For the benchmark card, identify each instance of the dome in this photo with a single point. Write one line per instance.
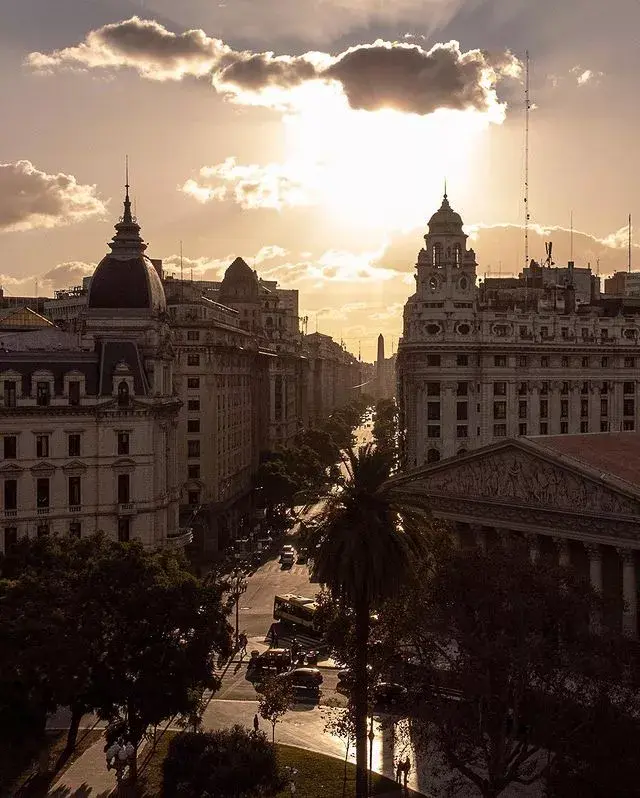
(445, 221)
(126, 278)
(240, 283)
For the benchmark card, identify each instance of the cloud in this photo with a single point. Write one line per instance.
(249, 185)
(584, 76)
(63, 275)
(398, 75)
(31, 199)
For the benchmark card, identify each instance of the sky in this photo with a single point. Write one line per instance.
(313, 138)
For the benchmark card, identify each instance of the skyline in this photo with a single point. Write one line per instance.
(261, 152)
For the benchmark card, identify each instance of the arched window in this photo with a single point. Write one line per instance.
(433, 455)
(437, 254)
(123, 394)
(458, 254)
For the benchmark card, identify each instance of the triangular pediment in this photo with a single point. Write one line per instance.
(43, 469)
(10, 470)
(517, 473)
(75, 465)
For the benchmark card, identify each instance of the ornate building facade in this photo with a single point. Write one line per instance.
(480, 363)
(88, 425)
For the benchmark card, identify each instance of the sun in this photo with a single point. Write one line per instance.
(380, 170)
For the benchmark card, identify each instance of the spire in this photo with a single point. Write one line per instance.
(127, 243)
(445, 188)
(127, 217)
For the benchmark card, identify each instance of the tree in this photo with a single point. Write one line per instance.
(276, 699)
(230, 763)
(512, 640)
(368, 547)
(341, 724)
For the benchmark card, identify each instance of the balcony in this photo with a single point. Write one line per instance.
(10, 513)
(180, 538)
(75, 508)
(43, 511)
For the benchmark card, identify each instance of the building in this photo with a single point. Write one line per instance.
(623, 284)
(68, 308)
(385, 373)
(476, 364)
(335, 376)
(36, 303)
(89, 425)
(572, 499)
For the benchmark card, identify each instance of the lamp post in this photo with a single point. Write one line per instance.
(372, 737)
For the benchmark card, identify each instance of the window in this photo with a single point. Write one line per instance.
(193, 360)
(522, 389)
(10, 446)
(433, 411)
(433, 389)
(124, 530)
(463, 388)
(544, 428)
(433, 455)
(564, 332)
(604, 388)
(499, 409)
(604, 333)
(43, 394)
(74, 445)
(499, 430)
(544, 361)
(604, 407)
(461, 431)
(523, 361)
(10, 538)
(564, 408)
(74, 392)
(564, 427)
(75, 497)
(544, 332)
(193, 471)
(584, 426)
(42, 492)
(462, 360)
(604, 362)
(522, 409)
(433, 360)
(42, 530)
(499, 388)
(433, 431)
(564, 362)
(193, 383)
(584, 407)
(462, 411)
(585, 362)
(629, 387)
(584, 388)
(123, 394)
(9, 393)
(193, 335)
(123, 443)
(124, 492)
(193, 405)
(75, 529)
(629, 362)
(604, 425)
(193, 425)
(193, 448)
(628, 425)
(585, 332)
(42, 446)
(544, 408)
(629, 407)
(193, 497)
(564, 390)
(544, 388)
(500, 361)
(11, 494)
(522, 429)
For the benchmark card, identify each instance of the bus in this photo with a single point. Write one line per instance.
(297, 611)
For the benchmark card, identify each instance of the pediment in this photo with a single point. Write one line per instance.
(43, 469)
(513, 474)
(10, 470)
(124, 462)
(74, 465)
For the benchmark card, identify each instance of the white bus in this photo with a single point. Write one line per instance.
(297, 611)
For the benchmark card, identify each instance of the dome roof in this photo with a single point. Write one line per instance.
(445, 221)
(126, 278)
(240, 283)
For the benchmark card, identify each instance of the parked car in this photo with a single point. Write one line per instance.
(287, 560)
(388, 695)
(269, 663)
(305, 677)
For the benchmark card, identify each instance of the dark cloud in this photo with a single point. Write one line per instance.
(380, 75)
(30, 198)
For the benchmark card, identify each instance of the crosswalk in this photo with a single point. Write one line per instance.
(305, 642)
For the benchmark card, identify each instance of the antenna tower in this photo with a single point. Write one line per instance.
(571, 238)
(527, 108)
(629, 243)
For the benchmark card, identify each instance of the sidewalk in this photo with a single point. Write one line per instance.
(87, 777)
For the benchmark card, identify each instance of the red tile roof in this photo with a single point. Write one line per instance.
(614, 453)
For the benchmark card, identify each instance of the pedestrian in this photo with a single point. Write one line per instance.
(295, 648)
(243, 640)
(256, 724)
(406, 767)
(398, 771)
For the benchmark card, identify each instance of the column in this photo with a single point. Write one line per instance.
(480, 536)
(534, 408)
(595, 574)
(534, 547)
(630, 611)
(504, 536)
(564, 558)
(574, 408)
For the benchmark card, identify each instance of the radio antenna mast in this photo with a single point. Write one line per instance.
(571, 238)
(629, 243)
(527, 107)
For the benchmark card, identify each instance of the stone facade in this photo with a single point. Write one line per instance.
(335, 376)
(476, 364)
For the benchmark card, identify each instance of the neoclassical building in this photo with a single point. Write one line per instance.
(539, 354)
(573, 499)
(88, 426)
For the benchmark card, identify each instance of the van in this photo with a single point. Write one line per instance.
(287, 559)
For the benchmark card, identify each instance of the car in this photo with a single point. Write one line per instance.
(287, 560)
(389, 695)
(287, 549)
(305, 677)
(270, 663)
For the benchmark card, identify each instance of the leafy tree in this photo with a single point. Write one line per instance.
(321, 443)
(230, 763)
(385, 424)
(277, 483)
(368, 546)
(276, 699)
(513, 639)
(341, 724)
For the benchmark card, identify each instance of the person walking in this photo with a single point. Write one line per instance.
(256, 724)
(243, 640)
(398, 771)
(406, 768)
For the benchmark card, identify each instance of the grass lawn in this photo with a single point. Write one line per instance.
(21, 769)
(318, 776)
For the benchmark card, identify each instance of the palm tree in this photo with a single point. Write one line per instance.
(368, 546)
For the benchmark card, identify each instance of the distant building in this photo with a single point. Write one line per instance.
(335, 376)
(623, 284)
(384, 386)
